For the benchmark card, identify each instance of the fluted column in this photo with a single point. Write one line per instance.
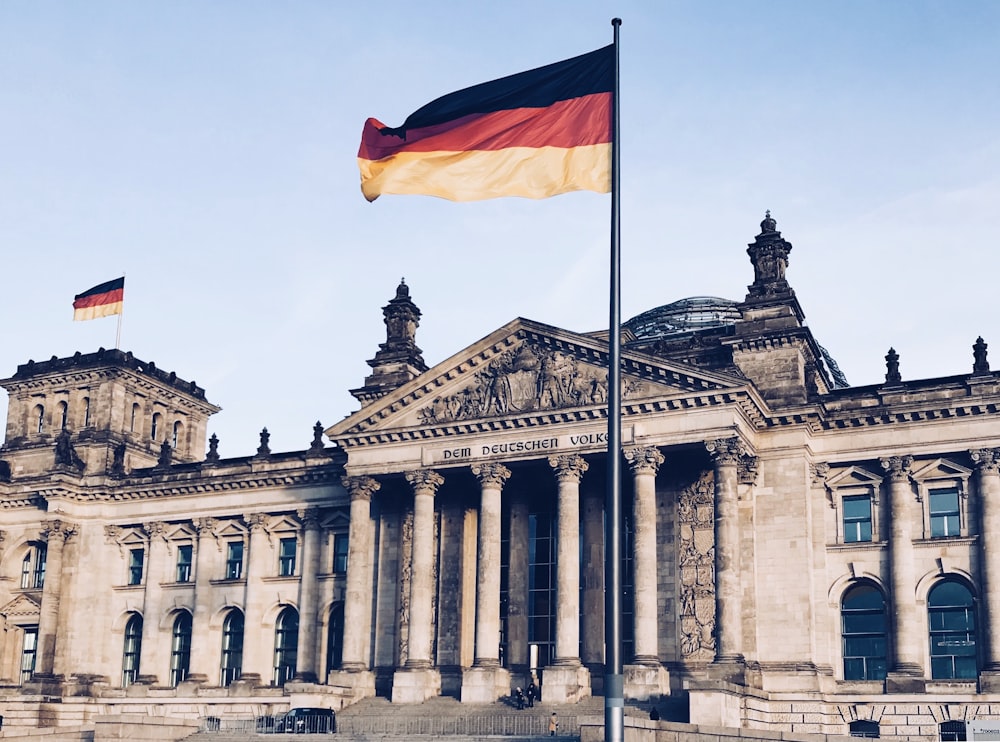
(358, 602)
(201, 653)
(56, 533)
(987, 461)
(308, 656)
(725, 455)
(425, 485)
(257, 645)
(910, 642)
(491, 481)
(155, 654)
(645, 462)
(569, 470)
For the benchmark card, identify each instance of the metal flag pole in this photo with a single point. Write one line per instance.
(614, 696)
(118, 332)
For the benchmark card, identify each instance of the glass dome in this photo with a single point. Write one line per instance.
(695, 313)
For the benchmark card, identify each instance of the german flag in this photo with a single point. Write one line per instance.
(534, 134)
(103, 300)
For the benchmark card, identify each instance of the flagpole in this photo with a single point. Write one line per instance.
(614, 696)
(118, 332)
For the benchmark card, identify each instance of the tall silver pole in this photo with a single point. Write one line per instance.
(614, 696)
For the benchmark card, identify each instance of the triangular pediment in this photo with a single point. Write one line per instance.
(526, 373)
(854, 476)
(21, 609)
(940, 469)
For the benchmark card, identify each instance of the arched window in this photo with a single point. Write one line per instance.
(180, 649)
(863, 633)
(335, 638)
(33, 567)
(864, 728)
(232, 647)
(86, 412)
(286, 638)
(132, 650)
(178, 430)
(63, 415)
(156, 425)
(39, 418)
(951, 615)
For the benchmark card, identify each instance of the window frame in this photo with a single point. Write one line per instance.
(287, 562)
(286, 640)
(132, 650)
(136, 570)
(971, 629)
(855, 481)
(937, 475)
(234, 565)
(33, 566)
(341, 551)
(180, 648)
(871, 670)
(231, 665)
(184, 567)
(27, 668)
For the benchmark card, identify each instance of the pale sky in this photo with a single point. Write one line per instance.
(208, 150)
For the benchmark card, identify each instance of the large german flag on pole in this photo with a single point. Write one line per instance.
(103, 300)
(534, 134)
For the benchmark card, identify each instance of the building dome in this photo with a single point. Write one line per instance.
(686, 315)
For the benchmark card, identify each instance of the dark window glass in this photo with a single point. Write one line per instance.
(286, 638)
(132, 651)
(340, 545)
(286, 557)
(863, 633)
(180, 649)
(951, 615)
(864, 728)
(234, 560)
(944, 513)
(29, 650)
(232, 647)
(952, 731)
(184, 552)
(135, 560)
(857, 519)
(335, 638)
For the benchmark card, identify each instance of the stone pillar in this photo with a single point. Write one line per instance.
(201, 652)
(517, 659)
(905, 671)
(566, 680)
(593, 585)
(418, 679)
(987, 461)
(644, 676)
(307, 648)
(355, 671)
(56, 533)
(256, 647)
(486, 681)
(155, 659)
(725, 455)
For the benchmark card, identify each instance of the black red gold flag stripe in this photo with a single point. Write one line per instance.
(103, 300)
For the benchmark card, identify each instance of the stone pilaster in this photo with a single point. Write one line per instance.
(307, 652)
(905, 672)
(355, 671)
(155, 653)
(644, 676)
(201, 652)
(517, 592)
(486, 681)
(593, 584)
(987, 461)
(256, 655)
(56, 533)
(418, 679)
(566, 680)
(726, 454)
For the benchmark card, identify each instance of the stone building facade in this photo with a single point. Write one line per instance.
(800, 555)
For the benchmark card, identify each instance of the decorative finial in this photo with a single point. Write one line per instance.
(166, 454)
(892, 367)
(317, 442)
(769, 224)
(212, 456)
(263, 449)
(980, 365)
(402, 291)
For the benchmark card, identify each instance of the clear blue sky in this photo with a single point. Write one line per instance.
(207, 149)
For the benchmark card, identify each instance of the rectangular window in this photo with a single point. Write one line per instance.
(184, 563)
(286, 557)
(857, 519)
(234, 560)
(340, 544)
(135, 561)
(944, 513)
(28, 652)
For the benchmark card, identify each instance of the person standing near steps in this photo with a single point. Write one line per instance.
(553, 724)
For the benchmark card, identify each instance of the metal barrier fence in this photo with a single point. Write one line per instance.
(527, 725)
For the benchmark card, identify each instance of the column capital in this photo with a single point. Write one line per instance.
(644, 459)
(155, 529)
(309, 517)
(361, 488)
(424, 481)
(56, 529)
(897, 468)
(987, 460)
(204, 526)
(748, 467)
(569, 468)
(819, 472)
(256, 521)
(725, 451)
(491, 475)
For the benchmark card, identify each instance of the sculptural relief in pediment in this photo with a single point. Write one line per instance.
(528, 379)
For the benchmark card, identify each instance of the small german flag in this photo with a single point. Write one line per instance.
(103, 300)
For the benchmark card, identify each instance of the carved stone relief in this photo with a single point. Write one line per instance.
(696, 559)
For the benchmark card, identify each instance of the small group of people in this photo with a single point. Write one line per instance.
(522, 698)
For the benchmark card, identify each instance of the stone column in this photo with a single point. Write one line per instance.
(517, 659)
(644, 676)
(155, 659)
(201, 652)
(355, 671)
(987, 461)
(418, 680)
(486, 681)
(905, 671)
(306, 650)
(725, 455)
(56, 533)
(257, 646)
(566, 680)
(593, 585)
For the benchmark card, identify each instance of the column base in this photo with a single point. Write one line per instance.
(905, 682)
(415, 686)
(485, 684)
(728, 668)
(565, 683)
(989, 681)
(646, 682)
(360, 682)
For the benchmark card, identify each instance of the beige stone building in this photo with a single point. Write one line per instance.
(800, 555)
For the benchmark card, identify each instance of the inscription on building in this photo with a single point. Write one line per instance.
(513, 448)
